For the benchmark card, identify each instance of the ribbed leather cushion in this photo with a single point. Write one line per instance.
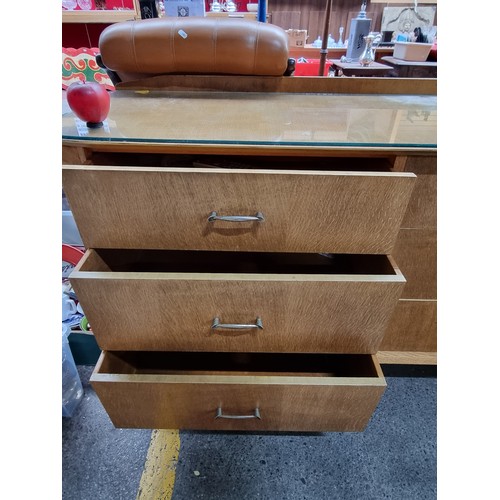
(195, 46)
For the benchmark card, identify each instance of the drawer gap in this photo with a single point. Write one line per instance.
(173, 261)
(238, 364)
(341, 163)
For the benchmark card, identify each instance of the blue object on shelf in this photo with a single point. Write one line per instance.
(261, 17)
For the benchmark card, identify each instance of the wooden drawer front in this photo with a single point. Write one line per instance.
(299, 312)
(422, 208)
(413, 327)
(149, 390)
(303, 211)
(416, 254)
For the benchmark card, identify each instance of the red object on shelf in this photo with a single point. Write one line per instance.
(311, 68)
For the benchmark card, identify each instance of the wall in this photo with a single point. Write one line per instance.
(310, 15)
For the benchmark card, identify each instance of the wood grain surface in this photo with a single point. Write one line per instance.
(359, 85)
(413, 327)
(304, 211)
(247, 150)
(421, 165)
(76, 155)
(407, 358)
(412, 333)
(422, 209)
(175, 311)
(285, 403)
(416, 254)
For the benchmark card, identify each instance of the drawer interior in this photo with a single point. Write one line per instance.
(238, 364)
(173, 261)
(341, 163)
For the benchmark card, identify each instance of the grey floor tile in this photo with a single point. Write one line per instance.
(100, 462)
(395, 458)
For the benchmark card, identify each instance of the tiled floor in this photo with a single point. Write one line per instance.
(394, 458)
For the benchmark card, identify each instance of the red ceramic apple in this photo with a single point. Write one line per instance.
(89, 101)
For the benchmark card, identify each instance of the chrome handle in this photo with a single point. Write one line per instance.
(236, 326)
(259, 217)
(256, 414)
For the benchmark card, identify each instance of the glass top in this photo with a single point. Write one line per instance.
(251, 118)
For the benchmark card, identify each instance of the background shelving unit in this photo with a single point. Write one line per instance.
(102, 16)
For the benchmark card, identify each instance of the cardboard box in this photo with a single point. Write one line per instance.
(296, 38)
(411, 51)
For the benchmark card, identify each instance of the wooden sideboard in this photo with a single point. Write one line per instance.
(243, 244)
(411, 69)
(414, 324)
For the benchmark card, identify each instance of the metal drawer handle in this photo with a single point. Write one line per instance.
(256, 414)
(259, 217)
(236, 326)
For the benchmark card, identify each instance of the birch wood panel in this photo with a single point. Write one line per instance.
(165, 311)
(421, 165)
(422, 208)
(407, 358)
(413, 327)
(286, 19)
(416, 254)
(338, 212)
(344, 11)
(315, 24)
(78, 155)
(285, 403)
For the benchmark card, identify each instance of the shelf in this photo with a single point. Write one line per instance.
(99, 16)
(237, 15)
(110, 16)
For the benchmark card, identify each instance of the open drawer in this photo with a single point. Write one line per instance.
(162, 300)
(228, 391)
(237, 209)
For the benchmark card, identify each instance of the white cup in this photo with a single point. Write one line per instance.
(68, 307)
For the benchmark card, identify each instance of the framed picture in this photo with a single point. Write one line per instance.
(184, 8)
(402, 21)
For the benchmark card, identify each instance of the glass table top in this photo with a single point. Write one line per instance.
(250, 118)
